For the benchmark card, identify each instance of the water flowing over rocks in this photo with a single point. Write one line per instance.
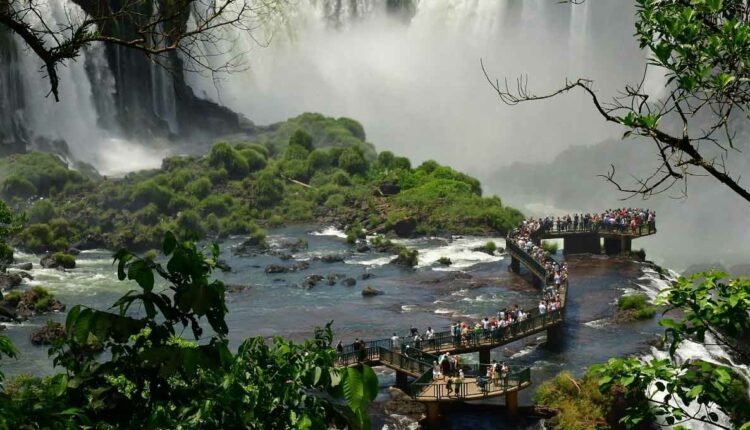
(278, 268)
(402, 411)
(10, 280)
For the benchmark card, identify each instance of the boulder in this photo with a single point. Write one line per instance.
(10, 280)
(366, 275)
(389, 188)
(48, 334)
(331, 258)
(73, 251)
(8, 312)
(235, 288)
(369, 292)
(311, 281)
(363, 247)
(405, 227)
(23, 266)
(332, 278)
(278, 268)
(404, 409)
(58, 261)
(26, 275)
(349, 282)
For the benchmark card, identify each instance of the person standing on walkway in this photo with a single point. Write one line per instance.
(395, 342)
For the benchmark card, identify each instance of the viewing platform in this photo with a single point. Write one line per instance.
(415, 358)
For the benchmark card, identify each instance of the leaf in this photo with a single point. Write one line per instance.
(360, 386)
(170, 242)
(140, 272)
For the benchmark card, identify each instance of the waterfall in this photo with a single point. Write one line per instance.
(417, 85)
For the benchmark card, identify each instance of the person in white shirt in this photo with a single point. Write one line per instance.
(542, 307)
(395, 342)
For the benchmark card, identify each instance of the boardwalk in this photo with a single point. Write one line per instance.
(415, 359)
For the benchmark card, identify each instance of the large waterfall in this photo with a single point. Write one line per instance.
(409, 70)
(417, 84)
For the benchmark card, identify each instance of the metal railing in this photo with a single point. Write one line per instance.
(594, 227)
(473, 388)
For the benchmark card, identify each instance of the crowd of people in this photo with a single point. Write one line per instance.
(621, 219)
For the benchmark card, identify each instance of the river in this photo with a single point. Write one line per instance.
(476, 285)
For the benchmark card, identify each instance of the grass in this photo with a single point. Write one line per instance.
(637, 305)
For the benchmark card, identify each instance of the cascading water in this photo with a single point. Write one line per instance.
(418, 84)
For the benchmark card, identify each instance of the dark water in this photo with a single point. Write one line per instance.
(477, 285)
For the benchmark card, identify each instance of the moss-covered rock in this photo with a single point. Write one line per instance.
(58, 260)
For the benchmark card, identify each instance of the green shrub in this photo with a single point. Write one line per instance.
(12, 297)
(223, 155)
(212, 224)
(6, 254)
(149, 214)
(64, 259)
(303, 139)
(218, 176)
(549, 246)
(296, 169)
(42, 304)
(579, 403)
(150, 192)
(636, 305)
(255, 160)
(180, 202)
(352, 161)
(444, 261)
(319, 159)
(36, 237)
(335, 201)
(16, 186)
(275, 221)
(189, 224)
(199, 188)
(268, 190)
(354, 127)
(218, 204)
(42, 211)
(406, 257)
(60, 244)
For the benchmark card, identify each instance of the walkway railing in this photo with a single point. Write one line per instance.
(532, 264)
(595, 227)
(473, 388)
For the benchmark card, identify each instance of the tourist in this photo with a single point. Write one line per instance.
(542, 307)
(449, 386)
(435, 371)
(413, 331)
(340, 347)
(395, 342)
(430, 336)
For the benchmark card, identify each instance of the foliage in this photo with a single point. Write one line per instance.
(64, 259)
(406, 257)
(637, 305)
(214, 195)
(714, 310)
(444, 261)
(579, 403)
(10, 224)
(150, 377)
(549, 246)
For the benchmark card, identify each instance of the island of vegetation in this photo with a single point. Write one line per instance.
(308, 169)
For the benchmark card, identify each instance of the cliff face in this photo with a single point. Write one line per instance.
(130, 95)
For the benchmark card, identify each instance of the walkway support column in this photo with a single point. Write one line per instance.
(402, 380)
(511, 403)
(515, 264)
(433, 415)
(484, 360)
(555, 337)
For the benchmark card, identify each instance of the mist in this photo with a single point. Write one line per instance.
(418, 87)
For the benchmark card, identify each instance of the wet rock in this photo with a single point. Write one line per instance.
(293, 246)
(10, 280)
(349, 282)
(369, 292)
(332, 278)
(60, 262)
(73, 251)
(278, 268)
(311, 281)
(363, 247)
(48, 334)
(405, 227)
(23, 266)
(331, 258)
(403, 410)
(8, 312)
(26, 275)
(285, 257)
(367, 275)
(235, 288)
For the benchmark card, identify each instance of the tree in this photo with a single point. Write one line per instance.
(157, 29)
(149, 376)
(703, 49)
(713, 311)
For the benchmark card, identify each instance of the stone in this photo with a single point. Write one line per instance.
(48, 334)
(370, 292)
(403, 405)
(363, 247)
(405, 227)
(235, 288)
(296, 267)
(332, 278)
(331, 258)
(26, 275)
(367, 275)
(311, 281)
(49, 262)
(10, 280)
(349, 282)
(23, 266)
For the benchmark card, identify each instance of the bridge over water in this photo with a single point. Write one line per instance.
(414, 359)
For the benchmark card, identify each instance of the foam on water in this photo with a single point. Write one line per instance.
(600, 323)
(329, 231)
(461, 253)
